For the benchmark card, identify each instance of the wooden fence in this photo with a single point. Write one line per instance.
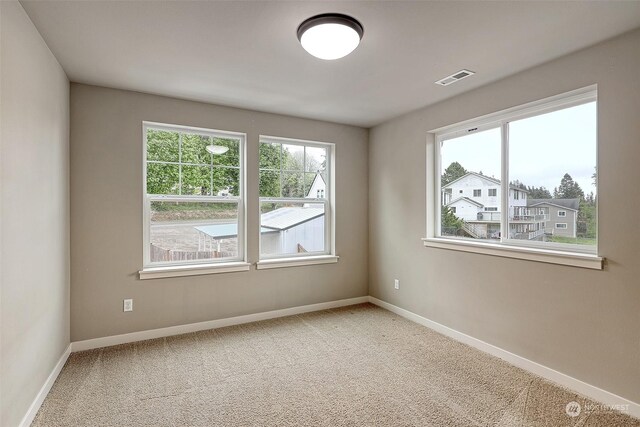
(159, 254)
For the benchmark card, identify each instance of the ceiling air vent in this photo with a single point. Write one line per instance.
(454, 77)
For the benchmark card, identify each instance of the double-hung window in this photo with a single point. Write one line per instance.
(296, 198)
(539, 155)
(193, 196)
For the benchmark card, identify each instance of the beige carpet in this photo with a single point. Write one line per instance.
(355, 366)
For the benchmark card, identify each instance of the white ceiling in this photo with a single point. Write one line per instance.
(246, 54)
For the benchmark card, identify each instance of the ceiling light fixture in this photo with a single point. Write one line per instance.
(330, 35)
(217, 149)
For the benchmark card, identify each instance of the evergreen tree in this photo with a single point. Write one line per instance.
(568, 189)
(539, 193)
(453, 172)
(449, 219)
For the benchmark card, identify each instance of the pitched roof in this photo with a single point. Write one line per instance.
(276, 220)
(466, 199)
(223, 231)
(573, 204)
(284, 218)
(488, 178)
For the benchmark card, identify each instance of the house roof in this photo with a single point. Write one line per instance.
(284, 218)
(223, 231)
(318, 176)
(573, 204)
(276, 220)
(488, 178)
(466, 199)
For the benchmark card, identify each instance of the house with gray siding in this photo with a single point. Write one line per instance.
(561, 214)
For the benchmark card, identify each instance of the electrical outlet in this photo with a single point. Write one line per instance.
(128, 305)
(396, 284)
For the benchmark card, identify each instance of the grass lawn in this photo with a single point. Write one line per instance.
(578, 241)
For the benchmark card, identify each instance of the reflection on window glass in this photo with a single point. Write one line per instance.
(192, 164)
(470, 186)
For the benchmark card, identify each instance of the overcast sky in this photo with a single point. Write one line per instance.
(541, 149)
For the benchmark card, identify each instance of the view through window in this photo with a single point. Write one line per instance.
(552, 176)
(294, 198)
(193, 195)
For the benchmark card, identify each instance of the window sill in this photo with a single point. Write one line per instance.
(574, 259)
(296, 261)
(192, 270)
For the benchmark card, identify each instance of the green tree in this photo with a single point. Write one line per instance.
(453, 172)
(199, 171)
(449, 219)
(568, 189)
(539, 193)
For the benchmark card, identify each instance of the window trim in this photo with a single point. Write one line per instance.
(193, 267)
(564, 214)
(557, 253)
(287, 260)
(566, 226)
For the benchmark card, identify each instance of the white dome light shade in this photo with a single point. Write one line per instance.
(330, 36)
(217, 149)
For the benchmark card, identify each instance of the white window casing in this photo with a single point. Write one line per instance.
(324, 197)
(151, 269)
(551, 252)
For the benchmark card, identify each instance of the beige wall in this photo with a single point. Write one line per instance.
(581, 322)
(106, 218)
(34, 199)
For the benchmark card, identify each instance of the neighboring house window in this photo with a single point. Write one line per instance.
(193, 195)
(561, 225)
(453, 209)
(491, 209)
(509, 147)
(295, 198)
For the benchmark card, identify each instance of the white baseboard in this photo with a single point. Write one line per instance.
(211, 324)
(37, 402)
(564, 380)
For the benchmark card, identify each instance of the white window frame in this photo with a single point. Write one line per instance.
(317, 257)
(551, 252)
(558, 224)
(562, 214)
(492, 190)
(152, 270)
(479, 191)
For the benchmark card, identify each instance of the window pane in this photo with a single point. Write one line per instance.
(196, 180)
(292, 157)
(552, 168)
(315, 159)
(194, 149)
(470, 169)
(269, 184)
(291, 228)
(270, 155)
(292, 183)
(162, 145)
(185, 231)
(162, 179)
(231, 157)
(226, 181)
